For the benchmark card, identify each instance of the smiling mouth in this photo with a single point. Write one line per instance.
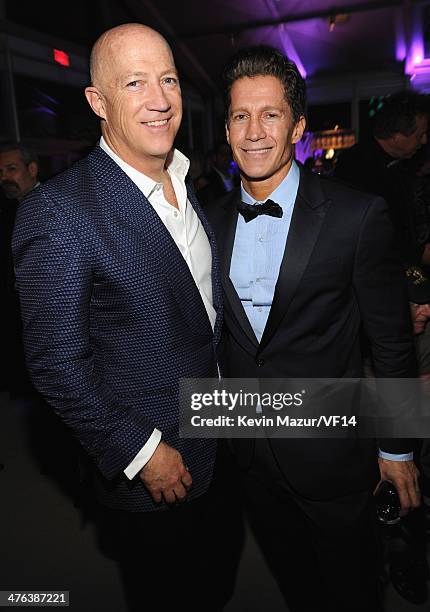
(159, 123)
(257, 151)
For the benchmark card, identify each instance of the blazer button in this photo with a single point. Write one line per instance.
(259, 362)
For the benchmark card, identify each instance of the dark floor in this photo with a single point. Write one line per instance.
(46, 545)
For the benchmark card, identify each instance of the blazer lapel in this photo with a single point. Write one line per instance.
(226, 235)
(133, 208)
(216, 280)
(309, 211)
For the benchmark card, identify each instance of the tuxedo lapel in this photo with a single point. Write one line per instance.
(131, 207)
(226, 234)
(216, 280)
(308, 215)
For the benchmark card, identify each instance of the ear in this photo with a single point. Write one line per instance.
(227, 132)
(298, 130)
(96, 100)
(33, 169)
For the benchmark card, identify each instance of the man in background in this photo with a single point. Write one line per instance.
(220, 179)
(18, 170)
(18, 176)
(399, 130)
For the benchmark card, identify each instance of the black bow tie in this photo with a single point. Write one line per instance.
(250, 211)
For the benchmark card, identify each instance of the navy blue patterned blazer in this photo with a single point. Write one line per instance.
(112, 320)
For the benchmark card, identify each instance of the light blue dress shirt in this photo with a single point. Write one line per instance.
(258, 250)
(257, 255)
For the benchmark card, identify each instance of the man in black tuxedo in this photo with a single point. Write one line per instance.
(301, 274)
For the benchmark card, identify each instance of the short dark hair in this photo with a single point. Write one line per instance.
(263, 60)
(398, 114)
(27, 155)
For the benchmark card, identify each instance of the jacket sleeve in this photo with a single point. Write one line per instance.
(54, 279)
(381, 291)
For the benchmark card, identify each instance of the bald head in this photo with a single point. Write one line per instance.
(109, 44)
(136, 93)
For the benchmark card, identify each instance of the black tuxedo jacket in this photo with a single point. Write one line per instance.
(339, 272)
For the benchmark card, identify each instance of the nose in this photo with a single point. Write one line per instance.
(255, 129)
(157, 99)
(424, 139)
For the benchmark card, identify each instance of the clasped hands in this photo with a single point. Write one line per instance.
(165, 475)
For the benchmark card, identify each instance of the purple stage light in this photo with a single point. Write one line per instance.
(415, 56)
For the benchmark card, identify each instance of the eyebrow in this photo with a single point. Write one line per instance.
(264, 109)
(141, 73)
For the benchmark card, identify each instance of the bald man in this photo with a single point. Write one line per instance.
(119, 284)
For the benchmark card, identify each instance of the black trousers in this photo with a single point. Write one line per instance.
(323, 555)
(183, 558)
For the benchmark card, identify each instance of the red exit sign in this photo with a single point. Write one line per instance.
(61, 57)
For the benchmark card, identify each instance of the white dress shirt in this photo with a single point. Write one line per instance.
(190, 237)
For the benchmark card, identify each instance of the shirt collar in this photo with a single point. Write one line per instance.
(178, 166)
(284, 194)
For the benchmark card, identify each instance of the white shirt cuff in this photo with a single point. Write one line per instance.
(391, 457)
(144, 455)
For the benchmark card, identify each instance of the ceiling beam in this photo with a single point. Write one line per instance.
(285, 39)
(233, 29)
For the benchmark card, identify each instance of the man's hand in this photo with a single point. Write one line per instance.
(165, 475)
(404, 476)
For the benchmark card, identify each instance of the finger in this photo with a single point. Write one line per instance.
(414, 494)
(377, 487)
(186, 478)
(169, 496)
(405, 501)
(410, 498)
(413, 488)
(156, 495)
(180, 492)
